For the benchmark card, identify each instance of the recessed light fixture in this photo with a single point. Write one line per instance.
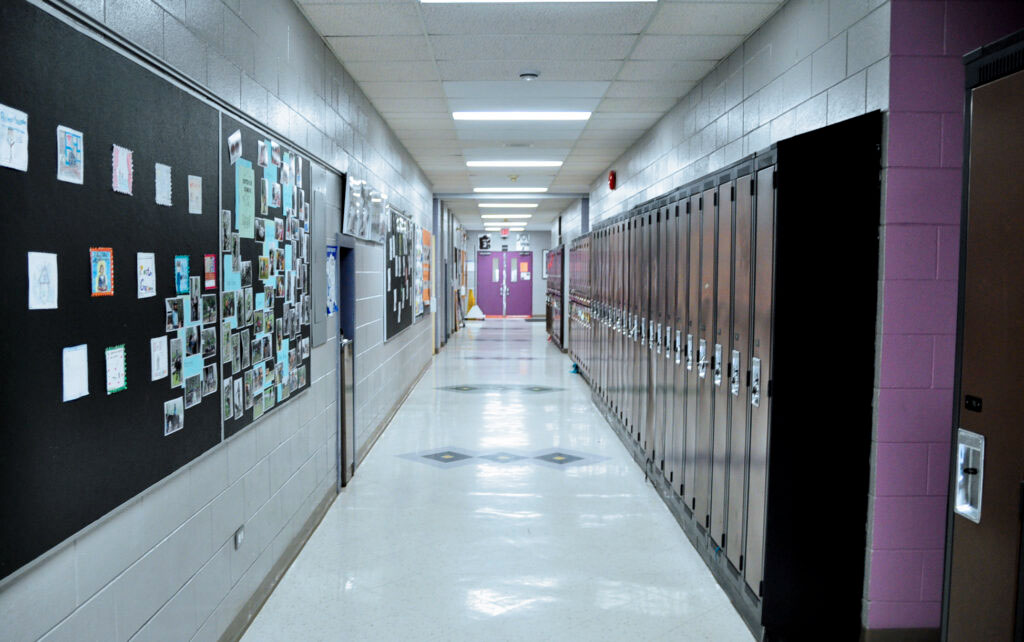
(509, 205)
(507, 1)
(510, 190)
(506, 215)
(521, 115)
(514, 163)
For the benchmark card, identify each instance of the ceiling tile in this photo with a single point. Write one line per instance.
(466, 70)
(667, 70)
(568, 18)
(370, 19)
(522, 47)
(725, 18)
(411, 89)
(392, 71)
(649, 89)
(636, 104)
(411, 105)
(682, 48)
(361, 48)
(520, 89)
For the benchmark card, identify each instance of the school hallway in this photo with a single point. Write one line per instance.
(498, 505)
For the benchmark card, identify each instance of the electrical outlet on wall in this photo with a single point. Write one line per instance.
(239, 537)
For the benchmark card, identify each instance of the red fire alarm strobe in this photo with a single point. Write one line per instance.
(611, 179)
(504, 231)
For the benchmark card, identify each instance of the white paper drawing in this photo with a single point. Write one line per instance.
(146, 273)
(117, 376)
(195, 194)
(122, 169)
(158, 357)
(13, 138)
(42, 281)
(70, 155)
(163, 184)
(76, 372)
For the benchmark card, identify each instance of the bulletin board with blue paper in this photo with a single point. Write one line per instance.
(265, 300)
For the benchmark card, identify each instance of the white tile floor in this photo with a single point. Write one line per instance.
(498, 551)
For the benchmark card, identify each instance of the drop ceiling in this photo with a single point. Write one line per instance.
(626, 62)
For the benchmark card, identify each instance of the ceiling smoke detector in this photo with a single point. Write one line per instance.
(529, 75)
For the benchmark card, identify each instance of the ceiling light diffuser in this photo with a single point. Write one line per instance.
(518, 1)
(510, 190)
(509, 205)
(506, 215)
(521, 115)
(513, 163)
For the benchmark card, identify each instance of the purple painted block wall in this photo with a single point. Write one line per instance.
(921, 230)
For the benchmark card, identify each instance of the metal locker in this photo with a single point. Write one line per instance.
(638, 327)
(739, 360)
(720, 361)
(680, 245)
(690, 355)
(705, 344)
(760, 375)
(644, 293)
(654, 414)
(668, 345)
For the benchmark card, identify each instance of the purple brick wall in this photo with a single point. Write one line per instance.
(921, 230)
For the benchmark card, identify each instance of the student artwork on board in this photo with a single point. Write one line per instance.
(181, 282)
(70, 155)
(42, 281)
(14, 141)
(101, 260)
(122, 170)
(146, 274)
(195, 194)
(235, 146)
(174, 415)
(162, 178)
(117, 368)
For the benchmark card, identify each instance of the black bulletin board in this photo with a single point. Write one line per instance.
(289, 313)
(65, 464)
(398, 274)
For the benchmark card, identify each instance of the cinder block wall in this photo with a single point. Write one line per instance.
(163, 566)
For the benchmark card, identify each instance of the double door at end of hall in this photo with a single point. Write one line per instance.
(504, 283)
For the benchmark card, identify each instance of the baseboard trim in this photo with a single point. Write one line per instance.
(899, 635)
(238, 626)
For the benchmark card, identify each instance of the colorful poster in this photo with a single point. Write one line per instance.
(123, 168)
(13, 138)
(101, 260)
(146, 272)
(174, 415)
(163, 184)
(70, 155)
(332, 279)
(210, 271)
(195, 194)
(158, 357)
(181, 270)
(245, 198)
(117, 368)
(76, 372)
(42, 281)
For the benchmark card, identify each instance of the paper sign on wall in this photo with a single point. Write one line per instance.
(122, 170)
(158, 357)
(245, 198)
(42, 281)
(332, 279)
(163, 184)
(13, 138)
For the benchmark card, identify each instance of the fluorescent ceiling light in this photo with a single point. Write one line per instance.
(525, 163)
(506, 215)
(508, 1)
(510, 190)
(521, 115)
(509, 205)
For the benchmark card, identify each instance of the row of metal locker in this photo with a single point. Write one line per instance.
(674, 314)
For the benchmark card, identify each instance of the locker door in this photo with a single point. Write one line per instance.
(985, 592)
(634, 346)
(705, 345)
(668, 355)
(680, 244)
(739, 363)
(760, 376)
(643, 404)
(719, 363)
(653, 347)
(692, 339)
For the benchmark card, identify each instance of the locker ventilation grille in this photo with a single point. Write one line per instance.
(1003, 66)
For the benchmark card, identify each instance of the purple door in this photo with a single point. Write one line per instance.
(489, 282)
(519, 281)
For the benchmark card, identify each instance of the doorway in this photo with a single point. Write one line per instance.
(505, 283)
